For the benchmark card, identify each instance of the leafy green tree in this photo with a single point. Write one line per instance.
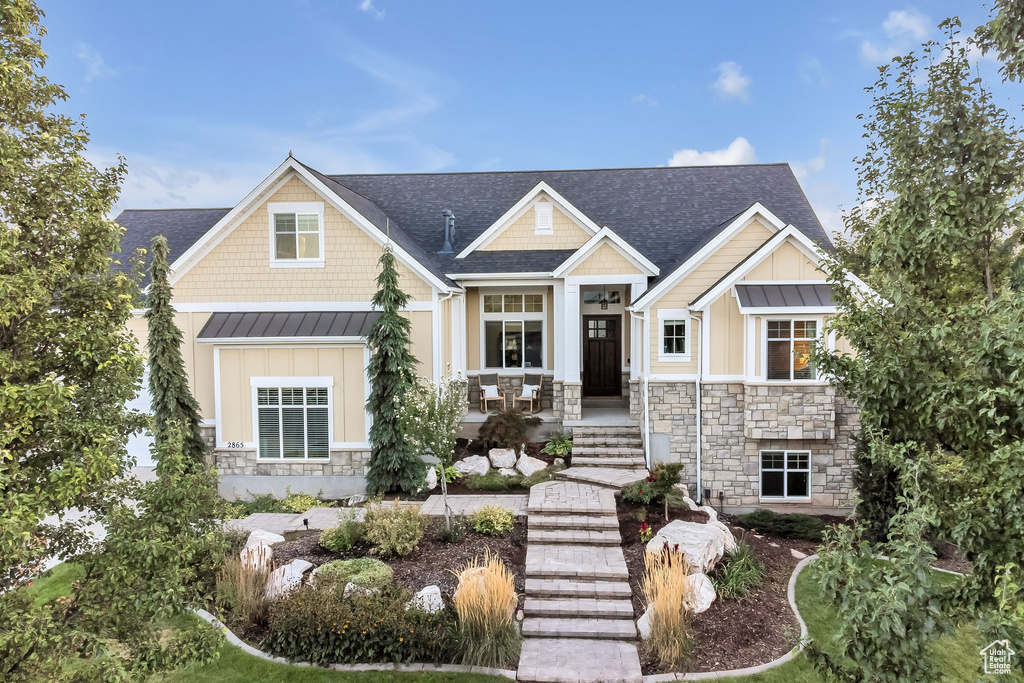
(940, 344)
(168, 382)
(1004, 34)
(67, 361)
(393, 464)
(431, 417)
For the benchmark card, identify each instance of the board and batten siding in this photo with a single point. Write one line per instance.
(198, 357)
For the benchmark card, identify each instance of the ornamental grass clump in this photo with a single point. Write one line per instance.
(741, 572)
(667, 591)
(485, 601)
(242, 590)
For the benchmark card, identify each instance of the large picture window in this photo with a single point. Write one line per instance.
(789, 343)
(293, 422)
(785, 474)
(513, 330)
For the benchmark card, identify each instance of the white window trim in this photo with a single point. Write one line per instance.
(548, 209)
(785, 470)
(664, 315)
(820, 321)
(297, 208)
(292, 382)
(524, 317)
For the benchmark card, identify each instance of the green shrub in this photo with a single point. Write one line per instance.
(559, 445)
(450, 474)
(799, 526)
(261, 502)
(362, 571)
(321, 627)
(235, 510)
(349, 533)
(300, 502)
(493, 520)
(457, 533)
(493, 481)
(546, 474)
(506, 429)
(740, 573)
(394, 529)
(639, 492)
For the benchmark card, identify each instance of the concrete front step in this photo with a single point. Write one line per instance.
(579, 562)
(570, 588)
(613, 629)
(586, 522)
(590, 608)
(602, 451)
(609, 461)
(612, 432)
(628, 441)
(574, 536)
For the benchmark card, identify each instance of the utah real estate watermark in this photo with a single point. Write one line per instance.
(997, 658)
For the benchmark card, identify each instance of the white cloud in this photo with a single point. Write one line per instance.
(96, 68)
(904, 29)
(802, 169)
(739, 151)
(643, 98)
(812, 72)
(731, 83)
(367, 6)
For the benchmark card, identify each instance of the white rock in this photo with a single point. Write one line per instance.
(559, 462)
(507, 472)
(428, 600)
(353, 589)
(688, 502)
(710, 511)
(727, 537)
(774, 545)
(502, 458)
(643, 624)
(682, 489)
(356, 499)
(520, 615)
(703, 545)
(474, 464)
(259, 535)
(431, 482)
(286, 578)
(797, 554)
(257, 556)
(703, 592)
(528, 465)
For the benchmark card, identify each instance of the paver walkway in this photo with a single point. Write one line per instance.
(464, 504)
(578, 623)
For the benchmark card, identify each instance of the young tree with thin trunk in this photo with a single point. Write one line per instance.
(168, 383)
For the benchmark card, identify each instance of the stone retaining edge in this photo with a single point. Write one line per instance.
(448, 668)
(760, 668)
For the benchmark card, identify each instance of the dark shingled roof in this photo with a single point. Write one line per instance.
(532, 261)
(264, 325)
(760, 296)
(666, 213)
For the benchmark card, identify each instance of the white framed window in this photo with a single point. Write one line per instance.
(296, 234)
(788, 345)
(673, 334)
(513, 330)
(292, 418)
(542, 213)
(785, 474)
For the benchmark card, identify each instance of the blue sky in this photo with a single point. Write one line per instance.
(205, 99)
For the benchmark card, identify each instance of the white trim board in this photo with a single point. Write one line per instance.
(607, 236)
(285, 306)
(520, 207)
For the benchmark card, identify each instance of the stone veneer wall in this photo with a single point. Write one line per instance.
(636, 405)
(733, 413)
(572, 401)
(346, 463)
(557, 398)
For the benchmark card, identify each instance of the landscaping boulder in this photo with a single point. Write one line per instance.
(257, 556)
(529, 466)
(474, 464)
(703, 545)
(431, 481)
(286, 578)
(711, 512)
(502, 458)
(356, 499)
(259, 535)
(688, 502)
(507, 472)
(428, 600)
(703, 592)
(682, 489)
(558, 462)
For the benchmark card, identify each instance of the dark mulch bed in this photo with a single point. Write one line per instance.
(731, 634)
(951, 560)
(433, 563)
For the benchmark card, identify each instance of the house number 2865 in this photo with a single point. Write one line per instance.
(235, 444)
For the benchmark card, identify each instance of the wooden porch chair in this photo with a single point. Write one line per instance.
(490, 379)
(534, 400)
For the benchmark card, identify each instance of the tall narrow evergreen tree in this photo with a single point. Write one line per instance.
(393, 465)
(168, 383)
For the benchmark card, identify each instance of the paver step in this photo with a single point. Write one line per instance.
(590, 432)
(592, 522)
(606, 450)
(607, 441)
(574, 536)
(570, 588)
(608, 477)
(572, 660)
(592, 608)
(610, 461)
(580, 562)
(614, 629)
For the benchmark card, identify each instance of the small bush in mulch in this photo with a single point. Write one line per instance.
(394, 529)
(456, 532)
(349, 533)
(506, 429)
(364, 572)
(639, 492)
(493, 520)
(739, 573)
(798, 526)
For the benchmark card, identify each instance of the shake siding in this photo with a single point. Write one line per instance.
(238, 268)
(605, 261)
(520, 234)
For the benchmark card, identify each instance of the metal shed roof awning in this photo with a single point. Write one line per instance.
(788, 298)
(291, 326)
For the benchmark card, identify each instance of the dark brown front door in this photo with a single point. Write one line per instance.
(602, 355)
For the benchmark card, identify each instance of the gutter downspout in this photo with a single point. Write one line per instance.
(645, 367)
(697, 386)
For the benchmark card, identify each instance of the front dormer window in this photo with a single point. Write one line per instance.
(297, 234)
